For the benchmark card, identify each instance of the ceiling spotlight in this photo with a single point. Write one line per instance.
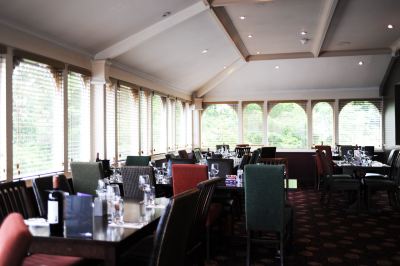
(166, 14)
(360, 63)
(224, 67)
(242, 17)
(204, 51)
(303, 32)
(304, 40)
(258, 52)
(390, 26)
(276, 67)
(250, 36)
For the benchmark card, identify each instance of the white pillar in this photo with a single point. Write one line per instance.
(265, 123)
(336, 122)
(240, 121)
(309, 124)
(198, 107)
(9, 114)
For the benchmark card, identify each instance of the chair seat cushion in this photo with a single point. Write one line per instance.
(341, 176)
(381, 184)
(53, 260)
(375, 175)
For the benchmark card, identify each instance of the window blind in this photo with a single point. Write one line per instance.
(37, 119)
(171, 123)
(110, 122)
(2, 117)
(159, 124)
(360, 122)
(128, 121)
(78, 117)
(180, 129)
(253, 123)
(189, 126)
(322, 119)
(219, 125)
(145, 122)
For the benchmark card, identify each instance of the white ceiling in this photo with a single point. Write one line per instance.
(168, 50)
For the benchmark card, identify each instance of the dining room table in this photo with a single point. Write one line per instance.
(108, 241)
(359, 170)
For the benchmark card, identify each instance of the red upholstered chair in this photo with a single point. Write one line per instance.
(187, 176)
(15, 239)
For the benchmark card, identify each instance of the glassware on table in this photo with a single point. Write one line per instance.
(164, 168)
(239, 177)
(117, 213)
(115, 189)
(144, 185)
(214, 169)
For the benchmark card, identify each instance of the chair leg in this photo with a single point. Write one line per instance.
(248, 248)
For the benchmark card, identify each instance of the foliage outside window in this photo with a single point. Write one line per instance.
(360, 122)
(287, 126)
(322, 119)
(219, 125)
(37, 119)
(253, 124)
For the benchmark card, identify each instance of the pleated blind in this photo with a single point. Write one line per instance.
(2, 117)
(145, 122)
(253, 123)
(110, 121)
(360, 122)
(189, 126)
(78, 117)
(171, 123)
(219, 125)
(159, 124)
(37, 118)
(128, 121)
(180, 128)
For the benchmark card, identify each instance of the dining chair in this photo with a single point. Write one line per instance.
(224, 147)
(183, 154)
(265, 207)
(197, 155)
(41, 187)
(15, 239)
(328, 153)
(225, 166)
(268, 152)
(130, 180)
(137, 160)
(245, 160)
(173, 161)
(390, 184)
(187, 176)
(254, 156)
(85, 176)
(343, 149)
(390, 161)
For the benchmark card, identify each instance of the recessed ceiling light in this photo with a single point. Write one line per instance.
(390, 26)
(360, 63)
(303, 32)
(166, 14)
(204, 51)
(258, 52)
(250, 36)
(276, 67)
(242, 17)
(224, 67)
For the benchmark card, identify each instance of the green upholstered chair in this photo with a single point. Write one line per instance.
(265, 206)
(85, 176)
(137, 160)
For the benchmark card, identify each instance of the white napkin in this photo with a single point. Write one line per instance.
(36, 222)
(128, 225)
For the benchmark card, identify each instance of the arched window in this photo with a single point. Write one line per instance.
(360, 122)
(322, 119)
(219, 125)
(287, 125)
(253, 124)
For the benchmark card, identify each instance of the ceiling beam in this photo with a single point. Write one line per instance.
(280, 56)
(134, 40)
(355, 52)
(226, 23)
(219, 78)
(323, 26)
(216, 3)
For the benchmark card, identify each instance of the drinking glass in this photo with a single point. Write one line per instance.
(115, 189)
(117, 214)
(144, 185)
(164, 168)
(214, 169)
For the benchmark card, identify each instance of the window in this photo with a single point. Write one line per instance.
(37, 119)
(322, 119)
(145, 122)
(2, 117)
(189, 126)
(128, 121)
(110, 122)
(219, 125)
(171, 124)
(159, 121)
(78, 117)
(360, 122)
(253, 124)
(180, 122)
(287, 125)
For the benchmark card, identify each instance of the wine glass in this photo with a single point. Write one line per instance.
(116, 190)
(214, 169)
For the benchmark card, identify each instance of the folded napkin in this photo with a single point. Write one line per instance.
(155, 206)
(128, 225)
(36, 222)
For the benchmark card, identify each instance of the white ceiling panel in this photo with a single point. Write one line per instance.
(362, 24)
(90, 25)
(175, 56)
(261, 78)
(276, 26)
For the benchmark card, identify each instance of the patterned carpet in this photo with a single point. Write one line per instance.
(324, 236)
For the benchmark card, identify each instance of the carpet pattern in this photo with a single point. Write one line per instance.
(324, 235)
